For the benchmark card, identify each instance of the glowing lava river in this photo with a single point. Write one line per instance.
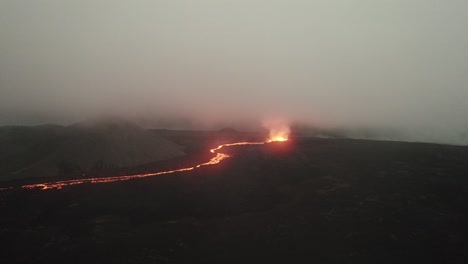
(215, 160)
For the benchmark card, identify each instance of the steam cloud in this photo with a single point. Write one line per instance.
(387, 65)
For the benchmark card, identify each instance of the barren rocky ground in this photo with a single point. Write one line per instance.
(307, 201)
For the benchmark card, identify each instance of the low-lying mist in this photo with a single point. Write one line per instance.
(391, 70)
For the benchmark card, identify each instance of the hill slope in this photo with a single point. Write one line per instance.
(49, 151)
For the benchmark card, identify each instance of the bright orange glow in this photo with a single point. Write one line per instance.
(275, 136)
(279, 134)
(277, 139)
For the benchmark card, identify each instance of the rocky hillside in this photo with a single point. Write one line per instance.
(98, 145)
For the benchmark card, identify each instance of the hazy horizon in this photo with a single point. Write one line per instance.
(399, 65)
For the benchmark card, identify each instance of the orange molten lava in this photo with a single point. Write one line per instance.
(215, 160)
(279, 135)
(278, 139)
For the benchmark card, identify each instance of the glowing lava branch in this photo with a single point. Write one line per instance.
(215, 160)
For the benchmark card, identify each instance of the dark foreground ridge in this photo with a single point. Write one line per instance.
(312, 200)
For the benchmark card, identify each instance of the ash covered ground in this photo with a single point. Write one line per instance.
(307, 200)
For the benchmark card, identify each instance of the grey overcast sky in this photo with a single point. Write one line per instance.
(388, 63)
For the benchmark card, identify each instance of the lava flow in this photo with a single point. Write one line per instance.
(215, 160)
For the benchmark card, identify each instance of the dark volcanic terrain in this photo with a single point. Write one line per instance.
(94, 147)
(304, 201)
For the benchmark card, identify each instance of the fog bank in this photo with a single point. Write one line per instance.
(385, 64)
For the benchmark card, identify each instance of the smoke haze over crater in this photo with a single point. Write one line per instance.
(399, 64)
